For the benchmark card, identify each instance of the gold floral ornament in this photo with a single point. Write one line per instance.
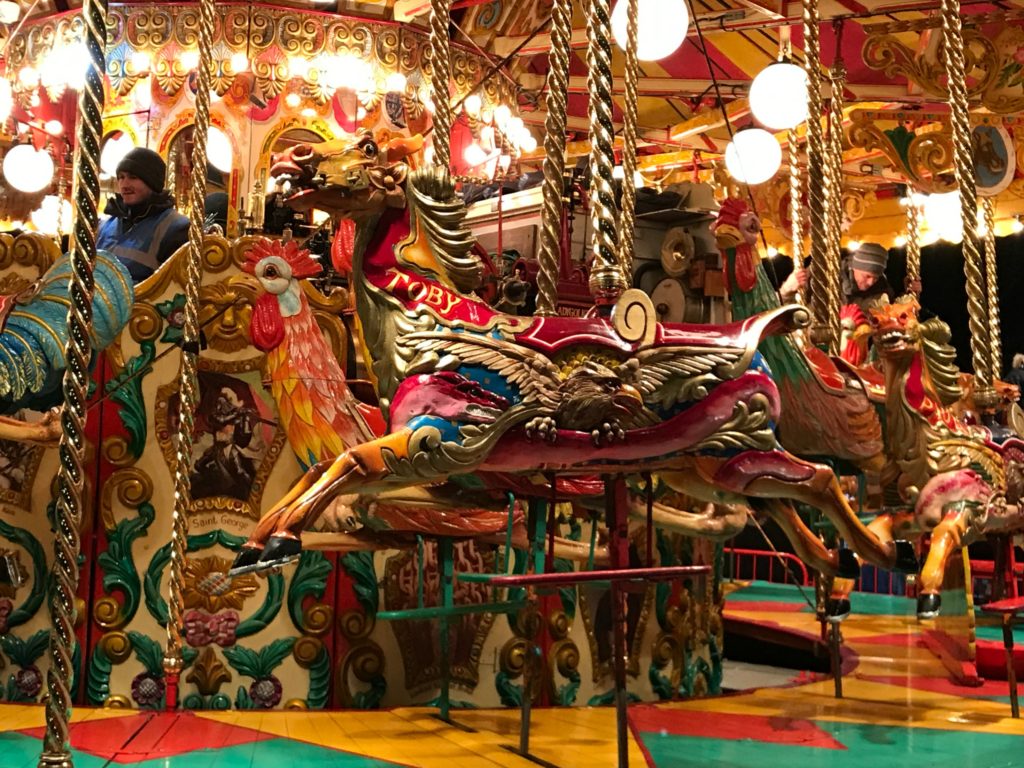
(208, 587)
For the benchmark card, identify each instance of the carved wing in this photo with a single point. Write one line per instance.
(534, 374)
(669, 375)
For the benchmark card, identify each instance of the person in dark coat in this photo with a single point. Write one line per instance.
(143, 229)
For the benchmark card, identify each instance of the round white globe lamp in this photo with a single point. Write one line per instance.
(778, 96)
(661, 27)
(218, 150)
(753, 156)
(27, 169)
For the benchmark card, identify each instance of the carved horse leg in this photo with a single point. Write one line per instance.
(949, 505)
(718, 522)
(888, 527)
(806, 544)
(45, 432)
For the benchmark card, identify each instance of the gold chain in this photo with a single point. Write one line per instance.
(554, 158)
(77, 354)
(913, 242)
(796, 201)
(606, 279)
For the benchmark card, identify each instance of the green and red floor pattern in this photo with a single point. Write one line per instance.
(899, 709)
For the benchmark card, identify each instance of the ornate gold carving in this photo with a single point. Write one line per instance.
(117, 702)
(364, 660)
(317, 619)
(986, 64)
(116, 646)
(208, 673)
(225, 309)
(924, 156)
(29, 249)
(132, 487)
(306, 650)
(207, 585)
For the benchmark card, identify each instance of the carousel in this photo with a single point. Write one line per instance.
(566, 383)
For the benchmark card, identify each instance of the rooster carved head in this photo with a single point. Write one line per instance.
(278, 267)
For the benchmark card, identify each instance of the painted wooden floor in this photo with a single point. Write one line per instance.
(899, 710)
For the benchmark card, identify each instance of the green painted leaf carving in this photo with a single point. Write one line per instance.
(267, 611)
(359, 565)
(24, 653)
(172, 311)
(125, 389)
(319, 680)
(97, 688)
(118, 563)
(149, 652)
(566, 694)
(262, 663)
(34, 599)
(243, 700)
(510, 693)
(900, 138)
(310, 579)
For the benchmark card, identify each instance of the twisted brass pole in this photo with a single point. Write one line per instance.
(834, 161)
(796, 202)
(188, 391)
(627, 219)
(554, 157)
(440, 71)
(816, 204)
(77, 352)
(913, 244)
(953, 43)
(606, 279)
(992, 283)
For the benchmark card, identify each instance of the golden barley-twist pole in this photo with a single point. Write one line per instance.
(834, 162)
(913, 244)
(77, 352)
(607, 281)
(554, 158)
(796, 201)
(816, 206)
(963, 166)
(189, 384)
(627, 218)
(440, 71)
(992, 283)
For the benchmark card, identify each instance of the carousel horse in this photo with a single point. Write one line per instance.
(33, 334)
(956, 482)
(473, 397)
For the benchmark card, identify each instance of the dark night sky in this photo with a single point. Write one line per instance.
(944, 293)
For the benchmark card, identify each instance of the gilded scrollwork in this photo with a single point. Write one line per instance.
(986, 60)
(924, 156)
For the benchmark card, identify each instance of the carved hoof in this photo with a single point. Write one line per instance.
(542, 428)
(246, 560)
(608, 433)
(837, 609)
(906, 556)
(928, 606)
(849, 568)
(280, 550)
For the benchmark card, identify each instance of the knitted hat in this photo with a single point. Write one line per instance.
(146, 165)
(870, 257)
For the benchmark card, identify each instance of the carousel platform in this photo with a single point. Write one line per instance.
(900, 708)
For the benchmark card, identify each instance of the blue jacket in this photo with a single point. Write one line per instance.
(144, 241)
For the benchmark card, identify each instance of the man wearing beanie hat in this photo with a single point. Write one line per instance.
(863, 275)
(143, 230)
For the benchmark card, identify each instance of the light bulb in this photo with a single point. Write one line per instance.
(474, 155)
(9, 12)
(1017, 226)
(189, 59)
(901, 240)
(141, 61)
(396, 83)
(661, 27)
(528, 144)
(473, 104)
(292, 100)
(778, 96)
(753, 156)
(113, 152)
(218, 149)
(28, 77)
(239, 61)
(502, 114)
(54, 127)
(853, 245)
(28, 169)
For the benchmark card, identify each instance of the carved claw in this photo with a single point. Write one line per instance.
(608, 433)
(542, 428)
